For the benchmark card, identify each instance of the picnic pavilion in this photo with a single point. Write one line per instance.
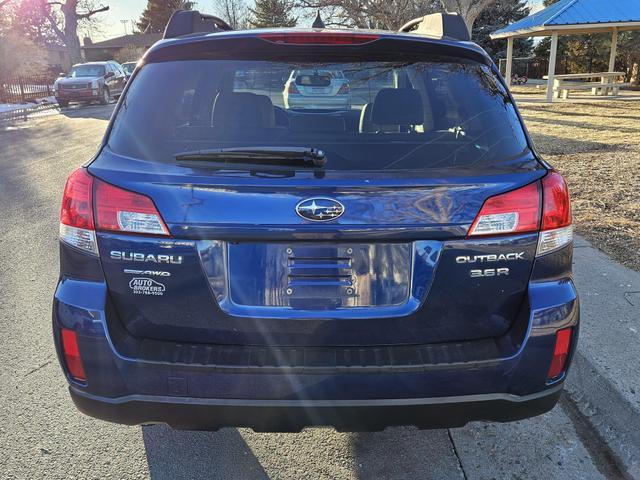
(575, 17)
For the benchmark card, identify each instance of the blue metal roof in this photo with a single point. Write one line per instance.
(574, 12)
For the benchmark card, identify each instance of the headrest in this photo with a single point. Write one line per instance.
(242, 109)
(397, 106)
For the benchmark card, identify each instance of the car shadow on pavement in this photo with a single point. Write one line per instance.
(396, 453)
(174, 454)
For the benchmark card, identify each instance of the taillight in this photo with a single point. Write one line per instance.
(543, 206)
(560, 353)
(115, 209)
(319, 38)
(120, 210)
(557, 230)
(76, 213)
(556, 210)
(71, 353)
(344, 89)
(517, 211)
(293, 89)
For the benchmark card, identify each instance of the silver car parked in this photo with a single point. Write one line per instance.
(317, 89)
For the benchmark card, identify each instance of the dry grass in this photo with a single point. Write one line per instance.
(596, 145)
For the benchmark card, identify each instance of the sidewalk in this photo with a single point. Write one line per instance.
(605, 378)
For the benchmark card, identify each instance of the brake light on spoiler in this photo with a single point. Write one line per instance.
(540, 206)
(319, 38)
(90, 205)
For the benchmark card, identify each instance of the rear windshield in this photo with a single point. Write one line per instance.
(313, 79)
(365, 116)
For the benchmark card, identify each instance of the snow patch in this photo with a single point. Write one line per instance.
(10, 107)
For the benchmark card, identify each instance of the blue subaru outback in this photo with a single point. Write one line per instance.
(232, 259)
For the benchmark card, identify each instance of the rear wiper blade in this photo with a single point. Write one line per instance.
(298, 156)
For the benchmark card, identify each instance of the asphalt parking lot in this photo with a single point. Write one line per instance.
(43, 436)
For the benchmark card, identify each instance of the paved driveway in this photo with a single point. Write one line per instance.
(43, 436)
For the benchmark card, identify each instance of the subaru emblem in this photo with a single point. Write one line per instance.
(319, 209)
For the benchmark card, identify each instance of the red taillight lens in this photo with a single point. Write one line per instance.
(556, 207)
(560, 353)
(120, 210)
(71, 352)
(556, 231)
(76, 213)
(344, 89)
(517, 211)
(76, 208)
(293, 89)
(322, 38)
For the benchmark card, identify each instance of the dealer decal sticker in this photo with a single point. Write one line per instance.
(146, 286)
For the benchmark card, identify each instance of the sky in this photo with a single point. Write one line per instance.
(111, 22)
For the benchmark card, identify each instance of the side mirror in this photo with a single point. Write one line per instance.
(109, 75)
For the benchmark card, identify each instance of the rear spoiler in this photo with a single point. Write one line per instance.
(442, 25)
(192, 22)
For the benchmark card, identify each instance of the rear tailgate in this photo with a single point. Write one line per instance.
(431, 134)
(243, 268)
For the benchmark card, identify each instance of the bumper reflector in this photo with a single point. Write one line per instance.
(72, 354)
(560, 353)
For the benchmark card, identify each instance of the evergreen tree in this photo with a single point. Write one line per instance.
(496, 16)
(542, 48)
(157, 13)
(272, 13)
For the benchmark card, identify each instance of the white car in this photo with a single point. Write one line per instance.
(317, 89)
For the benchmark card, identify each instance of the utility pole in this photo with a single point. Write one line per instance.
(124, 24)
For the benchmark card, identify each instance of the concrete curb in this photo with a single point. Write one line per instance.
(612, 417)
(605, 372)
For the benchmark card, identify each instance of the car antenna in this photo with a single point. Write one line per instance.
(318, 23)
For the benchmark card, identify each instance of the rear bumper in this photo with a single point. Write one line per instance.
(228, 388)
(318, 101)
(186, 413)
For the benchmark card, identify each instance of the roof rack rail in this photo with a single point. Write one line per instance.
(449, 25)
(192, 22)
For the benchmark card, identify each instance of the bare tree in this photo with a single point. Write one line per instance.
(234, 12)
(468, 9)
(390, 14)
(4, 2)
(384, 14)
(73, 12)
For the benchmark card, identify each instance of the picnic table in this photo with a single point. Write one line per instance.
(562, 84)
